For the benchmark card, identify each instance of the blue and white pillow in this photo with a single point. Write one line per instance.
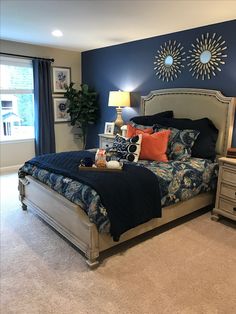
(180, 142)
(128, 149)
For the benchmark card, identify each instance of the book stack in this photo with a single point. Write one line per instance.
(231, 153)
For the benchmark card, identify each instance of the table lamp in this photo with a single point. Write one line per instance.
(119, 99)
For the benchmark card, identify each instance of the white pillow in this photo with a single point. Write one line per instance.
(128, 148)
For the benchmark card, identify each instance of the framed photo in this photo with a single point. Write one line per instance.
(60, 110)
(61, 78)
(109, 128)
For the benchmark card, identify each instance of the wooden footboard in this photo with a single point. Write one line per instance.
(66, 217)
(73, 223)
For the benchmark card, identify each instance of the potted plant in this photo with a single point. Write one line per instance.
(83, 107)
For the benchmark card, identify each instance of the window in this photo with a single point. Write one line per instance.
(16, 99)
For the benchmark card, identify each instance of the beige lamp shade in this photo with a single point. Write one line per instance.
(119, 99)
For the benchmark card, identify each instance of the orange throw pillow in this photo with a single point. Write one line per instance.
(154, 146)
(132, 131)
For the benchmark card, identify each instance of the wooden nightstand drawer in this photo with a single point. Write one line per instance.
(229, 175)
(228, 191)
(227, 206)
(105, 140)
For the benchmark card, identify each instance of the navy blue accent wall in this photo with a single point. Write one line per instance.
(130, 67)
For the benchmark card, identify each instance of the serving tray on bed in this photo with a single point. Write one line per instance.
(100, 169)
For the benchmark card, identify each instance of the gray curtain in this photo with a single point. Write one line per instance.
(43, 109)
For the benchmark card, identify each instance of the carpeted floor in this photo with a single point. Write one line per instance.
(188, 269)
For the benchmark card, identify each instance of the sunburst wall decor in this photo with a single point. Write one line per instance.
(168, 61)
(206, 56)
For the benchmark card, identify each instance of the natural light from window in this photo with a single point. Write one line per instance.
(16, 99)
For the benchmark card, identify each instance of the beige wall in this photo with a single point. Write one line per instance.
(17, 153)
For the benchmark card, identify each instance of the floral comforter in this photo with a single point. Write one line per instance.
(178, 181)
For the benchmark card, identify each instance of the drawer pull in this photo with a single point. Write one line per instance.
(234, 209)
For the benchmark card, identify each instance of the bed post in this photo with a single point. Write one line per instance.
(215, 217)
(21, 190)
(92, 251)
(91, 262)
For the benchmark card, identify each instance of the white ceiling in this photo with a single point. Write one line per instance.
(89, 24)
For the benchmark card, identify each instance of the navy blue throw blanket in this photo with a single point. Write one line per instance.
(131, 196)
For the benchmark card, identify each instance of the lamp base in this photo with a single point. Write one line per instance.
(117, 130)
(119, 121)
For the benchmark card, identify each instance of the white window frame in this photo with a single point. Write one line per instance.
(14, 62)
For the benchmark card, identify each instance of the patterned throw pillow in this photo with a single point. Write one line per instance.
(128, 149)
(180, 142)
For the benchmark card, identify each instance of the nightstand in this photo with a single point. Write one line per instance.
(226, 190)
(106, 139)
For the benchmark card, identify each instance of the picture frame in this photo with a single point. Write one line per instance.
(60, 110)
(61, 78)
(109, 128)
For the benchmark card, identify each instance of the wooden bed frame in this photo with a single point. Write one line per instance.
(73, 223)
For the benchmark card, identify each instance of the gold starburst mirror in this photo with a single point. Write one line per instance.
(206, 56)
(169, 61)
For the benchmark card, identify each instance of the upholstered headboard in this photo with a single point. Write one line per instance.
(195, 104)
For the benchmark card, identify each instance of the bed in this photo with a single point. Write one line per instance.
(72, 222)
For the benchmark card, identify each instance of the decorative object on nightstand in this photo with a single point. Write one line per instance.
(226, 190)
(109, 128)
(231, 152)
(119, 99)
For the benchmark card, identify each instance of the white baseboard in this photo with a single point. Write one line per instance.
(10, 169)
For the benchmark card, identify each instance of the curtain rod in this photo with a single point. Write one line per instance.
(23, 56)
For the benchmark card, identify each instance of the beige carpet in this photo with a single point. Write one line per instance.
(188, 269)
